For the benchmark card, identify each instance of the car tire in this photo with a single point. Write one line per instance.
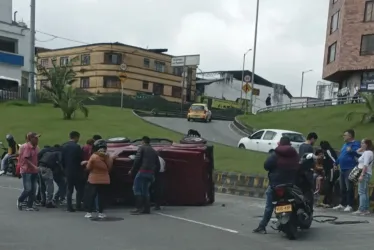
(241, 146)
(188, 119)
(192, 140)
(271, 151)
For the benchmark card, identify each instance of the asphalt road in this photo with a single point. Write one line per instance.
(225, 225)
(216, 131)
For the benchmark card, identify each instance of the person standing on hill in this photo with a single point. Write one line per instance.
(347, 160)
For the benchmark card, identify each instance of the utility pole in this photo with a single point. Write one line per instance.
(302, 81)
(31, 89)
(254, 54)
(241, 89)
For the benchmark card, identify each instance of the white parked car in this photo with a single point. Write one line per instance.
(266, 140)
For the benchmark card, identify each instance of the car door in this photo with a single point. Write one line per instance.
(267, 143)
(254, 140)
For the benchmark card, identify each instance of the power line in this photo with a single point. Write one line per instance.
(48, 40)
(60, 37)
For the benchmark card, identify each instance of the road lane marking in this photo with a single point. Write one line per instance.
(199, 223)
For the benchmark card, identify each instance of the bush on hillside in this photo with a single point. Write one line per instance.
(365, 116)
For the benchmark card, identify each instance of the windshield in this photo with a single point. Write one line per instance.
(197, 107)
(294, 137)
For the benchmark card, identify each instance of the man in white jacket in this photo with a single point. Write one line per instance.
(158, 185)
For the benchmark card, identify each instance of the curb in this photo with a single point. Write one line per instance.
(242, 128)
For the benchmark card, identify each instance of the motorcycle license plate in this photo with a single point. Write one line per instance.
(283, 209)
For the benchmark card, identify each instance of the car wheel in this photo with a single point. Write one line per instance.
(242, 146)
(271, 151)
(188, 119)
(192, 140)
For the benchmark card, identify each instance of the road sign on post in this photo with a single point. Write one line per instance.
(123, 77)
(247, 78)
(123, 67)
(246, 88)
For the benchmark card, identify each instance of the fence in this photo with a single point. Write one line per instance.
(312, 104)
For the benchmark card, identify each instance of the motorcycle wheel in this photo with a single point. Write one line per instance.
(290, 229)
(308, 224)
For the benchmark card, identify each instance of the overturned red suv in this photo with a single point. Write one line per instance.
(188, 175)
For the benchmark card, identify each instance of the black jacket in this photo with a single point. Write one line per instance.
(72, 156)
(146, 160)
(283, 166)
(50, 158)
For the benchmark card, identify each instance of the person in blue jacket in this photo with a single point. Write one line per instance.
(347, 160)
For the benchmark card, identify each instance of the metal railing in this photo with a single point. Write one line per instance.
(312, 103)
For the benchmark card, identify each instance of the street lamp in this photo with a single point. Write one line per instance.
(302, 80)
(254, 59)
(241, 90)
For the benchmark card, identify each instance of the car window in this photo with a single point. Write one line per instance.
(269, 135)
(257, 135)
(197, 107)
(294, 137)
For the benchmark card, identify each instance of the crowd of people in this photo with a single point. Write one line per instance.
(352, 166)
(85, 170)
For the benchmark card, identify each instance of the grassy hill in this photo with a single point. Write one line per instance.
(108, 122)
(328, 122)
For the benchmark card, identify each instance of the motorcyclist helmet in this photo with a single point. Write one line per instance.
(9, 137)
(100, 145)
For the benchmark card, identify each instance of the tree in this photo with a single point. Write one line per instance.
(368, 115)
(60, 91)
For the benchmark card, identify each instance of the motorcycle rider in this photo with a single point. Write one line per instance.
(13, 149)
(283, 166)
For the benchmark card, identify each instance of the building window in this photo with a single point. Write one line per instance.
(158, 89)
(369, 11)
(146, 63)
(64, 61)
(113, 58)
(44, 62)
(334, 25)
(85, 82)
(112, 82)
(178, 71)
(8, 45)
(367, 45)
(176, 91)
(145, 85)
(160, 66)
(331, 53)
(44, 83)
(85, 59)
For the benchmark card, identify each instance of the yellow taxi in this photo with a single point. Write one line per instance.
(199, 111)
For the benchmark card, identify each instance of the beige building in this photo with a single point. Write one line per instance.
(148, 71)
(349, 47)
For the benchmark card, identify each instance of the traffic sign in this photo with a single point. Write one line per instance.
(123, 67)
(247, 78)
(256, 92)
(246, 88)
(122, 77)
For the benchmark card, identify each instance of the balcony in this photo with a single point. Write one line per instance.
(11, 59)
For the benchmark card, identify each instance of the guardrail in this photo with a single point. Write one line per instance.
(312, 103)
(178, 114)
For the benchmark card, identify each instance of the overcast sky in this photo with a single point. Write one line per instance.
(291, 33)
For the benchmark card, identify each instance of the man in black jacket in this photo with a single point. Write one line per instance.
(72, 157)
(49, 159)
(146, 164)
(283, 167)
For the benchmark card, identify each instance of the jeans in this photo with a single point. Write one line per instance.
(269, 207)
(76, 183)
(61, 184)
(363, 192)
(93, 192)
(4, 162)
(346, 188)
(142, 183)
(29, 189)
(47, 176)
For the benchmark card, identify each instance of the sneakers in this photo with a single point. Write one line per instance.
(260, 229)
(88, 215)
(101, 216)
(2, 172)
(358, 212)
(19, 205)
(31, 209)
(50, 205)
(339, 207)
(348, 209)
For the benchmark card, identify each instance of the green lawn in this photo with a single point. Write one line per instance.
(108, 122)
(328, 122)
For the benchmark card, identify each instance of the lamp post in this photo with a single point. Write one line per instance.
(302, 81)
(254, 55)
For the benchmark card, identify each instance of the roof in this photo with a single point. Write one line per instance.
(237, 74)
(280, 130)
(158, 51)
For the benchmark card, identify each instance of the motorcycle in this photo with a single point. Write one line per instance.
(293, 209)
(12, 161)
